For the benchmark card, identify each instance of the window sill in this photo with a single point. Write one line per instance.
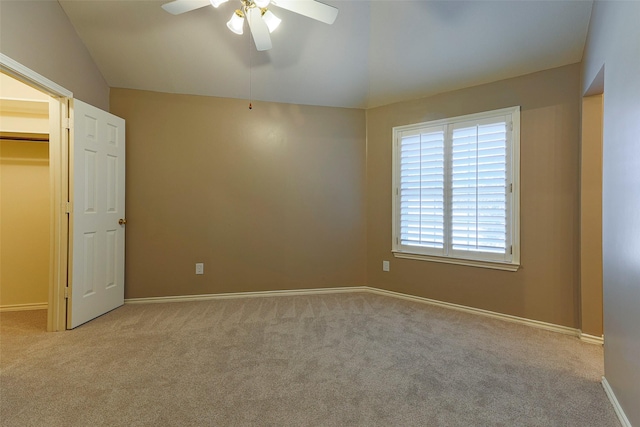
(468, 262)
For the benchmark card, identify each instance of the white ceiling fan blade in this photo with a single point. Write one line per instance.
(311, 9)
(181, 6)
(259, 29)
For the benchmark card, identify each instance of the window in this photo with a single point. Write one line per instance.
(456, 190)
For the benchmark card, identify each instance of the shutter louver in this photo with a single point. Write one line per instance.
(422, 190)
(478, 188)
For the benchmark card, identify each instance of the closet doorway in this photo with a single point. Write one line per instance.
(86, 162)
(25, 199)
(56, 98)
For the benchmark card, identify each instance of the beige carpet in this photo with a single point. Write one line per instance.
(326, 360)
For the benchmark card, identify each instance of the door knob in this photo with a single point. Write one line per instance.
(122, 221)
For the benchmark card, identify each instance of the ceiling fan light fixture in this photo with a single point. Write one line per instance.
(271, 20)
(261, 21)
(262, 3)
(236, 22)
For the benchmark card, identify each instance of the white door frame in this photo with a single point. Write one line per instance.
(58, 187)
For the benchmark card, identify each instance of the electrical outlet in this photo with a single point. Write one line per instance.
(385, 265)
(199, 268)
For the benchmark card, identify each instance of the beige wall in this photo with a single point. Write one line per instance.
(546, 286)
(18, 115)
(39, 35)
(24, 222)
(14, 89)
(271, 198)
(22, 108)
(591, 216)
(612, 43)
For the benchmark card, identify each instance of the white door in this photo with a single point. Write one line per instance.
(96, 177)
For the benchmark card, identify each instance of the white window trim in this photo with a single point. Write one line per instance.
(514, 206)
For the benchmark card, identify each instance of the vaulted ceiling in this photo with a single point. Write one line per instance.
(377, 52)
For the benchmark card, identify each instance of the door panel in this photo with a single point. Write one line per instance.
(97, 179)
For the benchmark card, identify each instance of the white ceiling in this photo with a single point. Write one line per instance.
(377, 52)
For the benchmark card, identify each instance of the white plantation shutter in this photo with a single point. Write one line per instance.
(456, 189)
(479, 185)
(422, 189)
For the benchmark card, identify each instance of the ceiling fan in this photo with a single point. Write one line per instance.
(261, 19)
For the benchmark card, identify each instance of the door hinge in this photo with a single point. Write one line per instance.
(511, 250)
(66, 292)
(66, 206)
(510, 188)
(68, 123)
(511, 126)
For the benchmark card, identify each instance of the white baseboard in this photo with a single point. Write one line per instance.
(591, 339)
(23, 307)
(506, 317)
(616, 405)
(232, 295)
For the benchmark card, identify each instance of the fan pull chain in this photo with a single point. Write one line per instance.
(250, 74)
